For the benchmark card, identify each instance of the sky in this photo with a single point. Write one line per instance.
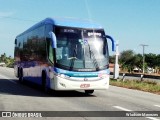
(130, 22)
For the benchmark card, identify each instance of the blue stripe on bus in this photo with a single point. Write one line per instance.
(80, 74)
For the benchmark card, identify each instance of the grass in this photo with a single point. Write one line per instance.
(147, 86)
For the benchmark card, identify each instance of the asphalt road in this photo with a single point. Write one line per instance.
(24, 97)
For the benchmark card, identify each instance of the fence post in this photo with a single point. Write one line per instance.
(142, 77)
(123, 77)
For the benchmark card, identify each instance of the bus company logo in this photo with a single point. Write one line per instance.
(85, 79)
(6, 114)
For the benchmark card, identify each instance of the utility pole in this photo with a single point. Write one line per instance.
(116, 65)
(143, 46)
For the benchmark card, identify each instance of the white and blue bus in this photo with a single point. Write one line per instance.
(64, 54)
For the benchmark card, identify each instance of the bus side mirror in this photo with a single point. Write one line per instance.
(15, 42)
(53, 38)
(113, 42)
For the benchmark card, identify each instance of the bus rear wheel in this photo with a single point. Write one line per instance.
(89, 92)
(21, 76)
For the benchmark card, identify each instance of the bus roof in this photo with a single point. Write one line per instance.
(68, 22)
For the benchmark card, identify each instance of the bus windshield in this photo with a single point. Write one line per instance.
(81, 49)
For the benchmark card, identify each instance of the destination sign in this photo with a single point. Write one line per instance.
(94, 34)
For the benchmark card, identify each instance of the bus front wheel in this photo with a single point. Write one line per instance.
(44, 83)
(89, 92)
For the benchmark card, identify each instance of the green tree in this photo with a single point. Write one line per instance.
(158, 60)
(138, 61)
(157, 63)
(151, 60)
(3, 57)
(9, 61)
(112, 59)
(127, 60)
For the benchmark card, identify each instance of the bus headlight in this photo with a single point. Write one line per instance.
(51, 74)
(103, 75)
(63, 76)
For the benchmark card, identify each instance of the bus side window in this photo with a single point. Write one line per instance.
(15, 42)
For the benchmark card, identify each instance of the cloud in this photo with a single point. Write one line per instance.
(6, 14)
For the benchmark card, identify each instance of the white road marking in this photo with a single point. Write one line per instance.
(152, 118)
(157, 105)
(125, 109)
(2, 76)
(121, 108)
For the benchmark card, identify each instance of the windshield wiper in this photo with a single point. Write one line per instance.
(94, 58)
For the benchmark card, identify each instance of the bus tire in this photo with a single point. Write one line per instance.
(89, 92)
(20, 73)
(44, 83)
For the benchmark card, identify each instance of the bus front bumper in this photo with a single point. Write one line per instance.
(59, 83)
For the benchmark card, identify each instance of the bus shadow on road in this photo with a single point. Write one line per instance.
(69, 94)
(14, 87)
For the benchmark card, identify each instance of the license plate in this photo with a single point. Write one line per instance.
(84, 85)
